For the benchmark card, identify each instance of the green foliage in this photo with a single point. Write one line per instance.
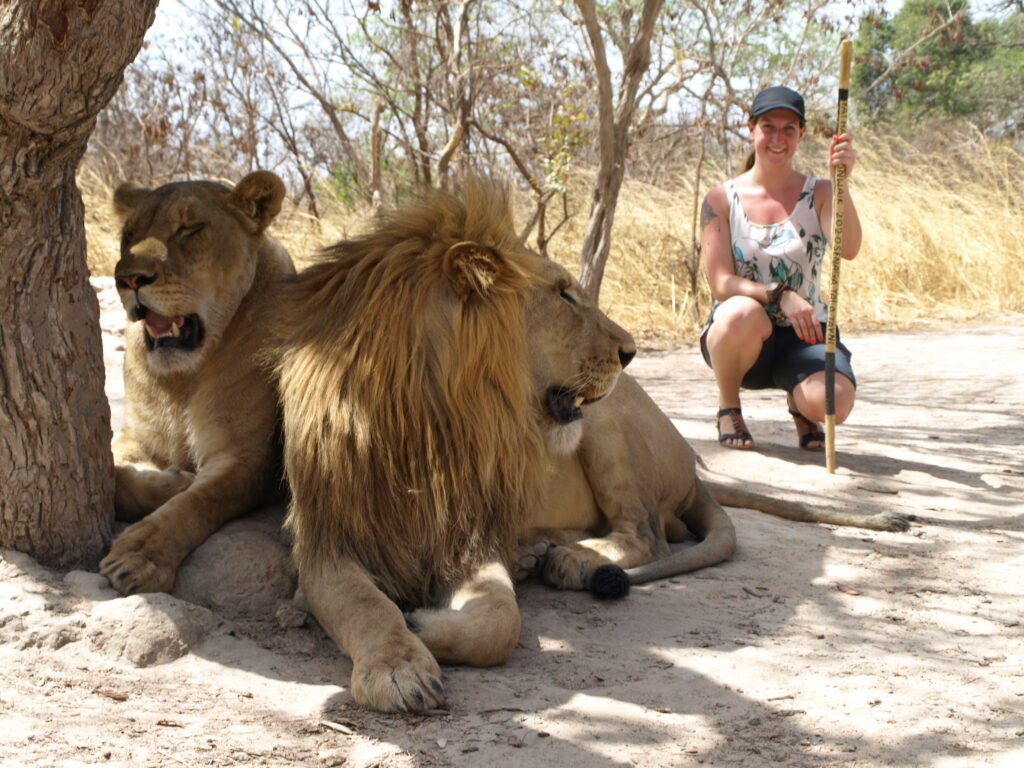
(931, 60)
(564, 138)
(343, 184)
(997, 78)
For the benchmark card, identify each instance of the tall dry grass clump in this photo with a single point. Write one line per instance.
(943, 233)
(943, 222)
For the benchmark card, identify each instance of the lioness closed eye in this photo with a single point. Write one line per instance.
(198, 447)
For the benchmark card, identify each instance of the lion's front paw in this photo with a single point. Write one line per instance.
(138, 561)
(402, 677)
(530, 559)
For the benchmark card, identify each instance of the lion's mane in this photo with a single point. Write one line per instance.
(412, 443)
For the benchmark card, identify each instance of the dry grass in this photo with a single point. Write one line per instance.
(943, 239)
(943, 234)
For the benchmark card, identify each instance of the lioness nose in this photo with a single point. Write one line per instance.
(626, 355)
(134, 281)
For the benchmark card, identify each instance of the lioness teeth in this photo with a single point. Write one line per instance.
(162, 327)
(578, 401)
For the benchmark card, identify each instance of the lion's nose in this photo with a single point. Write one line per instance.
(134, 280)
(626, 356)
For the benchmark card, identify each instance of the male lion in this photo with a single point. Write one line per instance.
(434, 375)
(414, 448)
(199, 444)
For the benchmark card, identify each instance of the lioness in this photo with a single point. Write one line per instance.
(443, 389)
(198, 446)
(625, 486)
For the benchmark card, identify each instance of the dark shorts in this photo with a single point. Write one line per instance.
(785, 360)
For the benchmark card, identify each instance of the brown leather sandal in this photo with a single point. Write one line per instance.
(810, 432)
(740, 431)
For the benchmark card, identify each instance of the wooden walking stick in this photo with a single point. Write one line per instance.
(838, 194)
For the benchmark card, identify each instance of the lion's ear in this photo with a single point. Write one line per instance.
(259, 197)
(127, 198)
(472, 268)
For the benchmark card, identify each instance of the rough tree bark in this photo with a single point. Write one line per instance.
(60, 63)
(615, 120)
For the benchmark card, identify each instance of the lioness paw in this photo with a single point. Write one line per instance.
(568, 568)
(136, 562)
(405, 679)
(137, 492)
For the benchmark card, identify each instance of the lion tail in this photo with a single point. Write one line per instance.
(736, 496)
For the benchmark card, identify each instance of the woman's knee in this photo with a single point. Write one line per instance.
(846, 394)
(809, 395)
(740, 318)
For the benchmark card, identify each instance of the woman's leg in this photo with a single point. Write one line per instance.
(809, 398)
(740, 328)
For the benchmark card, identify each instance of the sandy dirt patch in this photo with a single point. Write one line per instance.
(813, 646)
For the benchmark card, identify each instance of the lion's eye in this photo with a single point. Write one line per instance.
(187, 230)
(564, 293)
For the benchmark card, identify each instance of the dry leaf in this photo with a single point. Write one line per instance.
(848, 590)
(337, 727)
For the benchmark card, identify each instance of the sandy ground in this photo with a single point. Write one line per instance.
(812, 646)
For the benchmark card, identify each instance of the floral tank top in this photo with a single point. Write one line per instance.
(789, 252)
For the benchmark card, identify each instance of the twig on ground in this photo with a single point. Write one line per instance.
(175, 759)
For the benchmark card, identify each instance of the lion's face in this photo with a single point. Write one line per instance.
(188, 257)
(577, 353)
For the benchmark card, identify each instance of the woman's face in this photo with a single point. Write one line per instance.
(776, 136)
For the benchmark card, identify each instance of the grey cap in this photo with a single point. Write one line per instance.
(777, 97)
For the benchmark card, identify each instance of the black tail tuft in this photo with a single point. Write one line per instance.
(609, 581)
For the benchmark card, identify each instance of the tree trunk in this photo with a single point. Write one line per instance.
(614, 121)
(60, 63)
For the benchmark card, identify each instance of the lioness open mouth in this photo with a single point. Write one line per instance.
(564, 405)
(178, 332)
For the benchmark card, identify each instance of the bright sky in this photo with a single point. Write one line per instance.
(171, 17)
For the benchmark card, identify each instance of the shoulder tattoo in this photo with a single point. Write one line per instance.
(707, 213)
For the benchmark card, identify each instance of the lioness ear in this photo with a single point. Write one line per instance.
(472, 268)
(259, 197)
(127, 198)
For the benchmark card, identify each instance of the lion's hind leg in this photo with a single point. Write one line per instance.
(705, 518)
(569, 559)
(479, 624)
(392, 670)
(536, 543)
(597, 563)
